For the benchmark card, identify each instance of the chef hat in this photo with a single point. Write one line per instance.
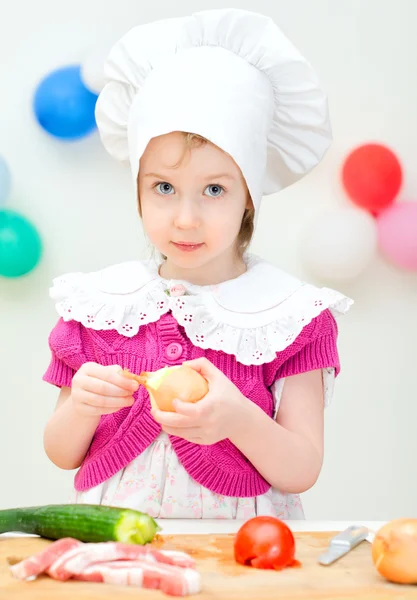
(230, 76)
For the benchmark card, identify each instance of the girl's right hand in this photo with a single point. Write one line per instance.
(98, 390)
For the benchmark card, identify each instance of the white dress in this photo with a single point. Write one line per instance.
(252, 317)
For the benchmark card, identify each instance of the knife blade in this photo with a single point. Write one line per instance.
(343, 543)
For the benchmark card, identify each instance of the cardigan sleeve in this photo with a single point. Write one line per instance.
(314, 348)
(67, 355)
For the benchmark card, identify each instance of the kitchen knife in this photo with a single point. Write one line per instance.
(343, 543)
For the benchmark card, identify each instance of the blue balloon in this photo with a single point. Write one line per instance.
(20, 245)
(5, 181)
(63, 106)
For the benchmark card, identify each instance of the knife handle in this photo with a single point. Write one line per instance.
(351, 537)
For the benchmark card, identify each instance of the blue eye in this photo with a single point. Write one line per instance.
(164, 188)
(214, 191)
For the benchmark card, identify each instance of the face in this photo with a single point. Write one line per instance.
(192, 203)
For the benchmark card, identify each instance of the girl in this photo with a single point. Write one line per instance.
(212, 111)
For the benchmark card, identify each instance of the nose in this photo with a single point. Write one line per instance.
(187, 215)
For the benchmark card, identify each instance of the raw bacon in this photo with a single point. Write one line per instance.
(170, 571)
(33, 566)
(76, 561)
(174, 581)
(178, 558)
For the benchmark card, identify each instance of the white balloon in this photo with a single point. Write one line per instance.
(339, 244)
(92, 69)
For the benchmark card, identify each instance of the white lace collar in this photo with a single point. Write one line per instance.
(252, 317)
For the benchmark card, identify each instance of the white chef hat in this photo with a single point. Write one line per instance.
(230, 76)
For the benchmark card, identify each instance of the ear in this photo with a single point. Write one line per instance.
(249, 203)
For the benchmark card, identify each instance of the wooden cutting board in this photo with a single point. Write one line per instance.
(352, 577)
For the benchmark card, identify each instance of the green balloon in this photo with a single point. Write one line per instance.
(20, 245)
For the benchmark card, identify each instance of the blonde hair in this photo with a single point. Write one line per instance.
(247, 227)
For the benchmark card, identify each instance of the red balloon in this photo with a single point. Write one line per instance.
(372, 177)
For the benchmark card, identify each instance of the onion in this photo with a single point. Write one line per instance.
(394, 551)
(170, 383)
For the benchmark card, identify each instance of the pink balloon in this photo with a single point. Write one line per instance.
(397, 234)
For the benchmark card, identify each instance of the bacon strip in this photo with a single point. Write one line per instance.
(170, 571)
(178, 558)
(75, 562)
(172, 580)
(33, 566)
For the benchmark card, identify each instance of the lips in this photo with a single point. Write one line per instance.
(188, 246)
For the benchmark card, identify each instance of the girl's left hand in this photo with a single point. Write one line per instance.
(212, 419)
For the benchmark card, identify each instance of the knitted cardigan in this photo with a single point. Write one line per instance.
(122, 436)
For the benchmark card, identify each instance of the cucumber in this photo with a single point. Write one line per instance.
(84, 522)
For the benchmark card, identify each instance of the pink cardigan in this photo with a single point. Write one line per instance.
(122, 436)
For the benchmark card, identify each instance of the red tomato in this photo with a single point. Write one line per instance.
(265, 543)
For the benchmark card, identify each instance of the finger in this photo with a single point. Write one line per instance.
(116, 402)
(112, 374)
(103, 388)
(188, 409)
(203, 366)
(170, 419)
(118, 378)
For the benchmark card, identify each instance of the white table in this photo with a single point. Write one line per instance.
(195, 526)
(190, 526)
